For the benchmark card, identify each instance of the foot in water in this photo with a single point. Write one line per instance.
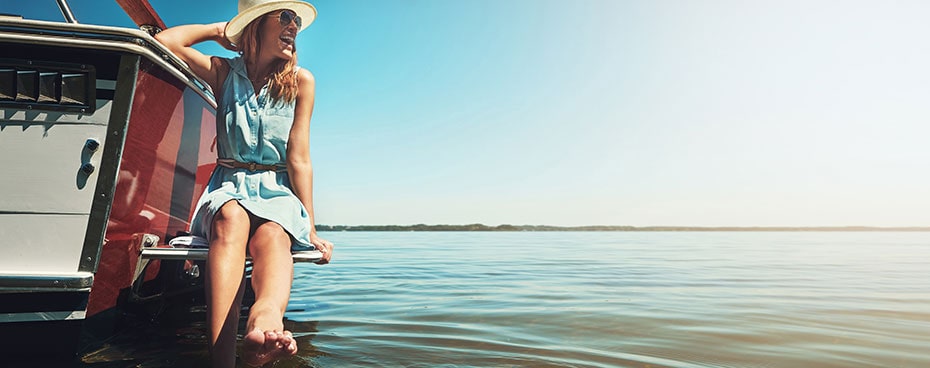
(262, 347)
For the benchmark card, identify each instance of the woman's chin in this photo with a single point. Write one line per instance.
(285, 54)
(286, 50)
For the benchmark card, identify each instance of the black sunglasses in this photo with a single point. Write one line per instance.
(286, 16)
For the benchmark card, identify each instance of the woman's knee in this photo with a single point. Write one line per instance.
(231, 215)
(272, 231)
(272, 234)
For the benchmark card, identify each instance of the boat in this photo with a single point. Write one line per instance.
(107, 140)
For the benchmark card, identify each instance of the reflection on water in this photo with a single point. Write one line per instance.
(590, 300)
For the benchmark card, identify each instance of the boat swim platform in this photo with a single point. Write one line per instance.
(200, 254)
(186, 248)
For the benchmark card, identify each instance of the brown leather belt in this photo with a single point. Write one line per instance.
(251, 166)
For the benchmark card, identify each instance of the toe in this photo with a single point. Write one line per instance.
(271, 340)
(291, 345)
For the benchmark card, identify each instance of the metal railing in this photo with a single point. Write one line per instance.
(66, 11)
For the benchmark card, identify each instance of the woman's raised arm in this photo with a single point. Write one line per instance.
(179, 40)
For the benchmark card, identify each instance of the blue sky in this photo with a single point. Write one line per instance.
(608, 112)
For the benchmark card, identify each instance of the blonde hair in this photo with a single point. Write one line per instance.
(283, 80)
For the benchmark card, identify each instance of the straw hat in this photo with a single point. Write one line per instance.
(249, 10)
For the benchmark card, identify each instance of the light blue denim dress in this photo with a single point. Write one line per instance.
(251, 128)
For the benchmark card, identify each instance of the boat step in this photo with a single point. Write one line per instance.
(195, 248)
(186, 248)
(200, 254)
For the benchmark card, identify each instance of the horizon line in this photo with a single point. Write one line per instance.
(509, 227)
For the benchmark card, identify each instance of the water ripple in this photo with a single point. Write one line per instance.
(615, 300)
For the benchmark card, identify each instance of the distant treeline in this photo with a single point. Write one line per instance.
(482, 227)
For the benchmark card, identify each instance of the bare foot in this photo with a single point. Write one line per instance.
(262, 347)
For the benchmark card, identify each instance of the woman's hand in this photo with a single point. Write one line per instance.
(324, 246)
(221, 38)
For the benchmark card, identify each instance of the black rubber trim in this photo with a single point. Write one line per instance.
(109, 164)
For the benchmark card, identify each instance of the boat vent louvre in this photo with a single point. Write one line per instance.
(46, 85)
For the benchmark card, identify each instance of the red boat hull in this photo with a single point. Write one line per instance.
(167, 159)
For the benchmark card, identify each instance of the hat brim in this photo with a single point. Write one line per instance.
(304, 10)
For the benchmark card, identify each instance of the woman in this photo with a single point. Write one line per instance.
(259, 199)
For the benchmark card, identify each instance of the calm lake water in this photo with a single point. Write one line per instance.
(591, 299)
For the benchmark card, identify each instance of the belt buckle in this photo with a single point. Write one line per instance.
(251, 166)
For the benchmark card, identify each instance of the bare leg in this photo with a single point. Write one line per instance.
(224, 281)
(272, 274)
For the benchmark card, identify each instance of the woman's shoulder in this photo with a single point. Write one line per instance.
(230, 63)
(221, 62)
(222, 67)
(306, 83)
(305, 76)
